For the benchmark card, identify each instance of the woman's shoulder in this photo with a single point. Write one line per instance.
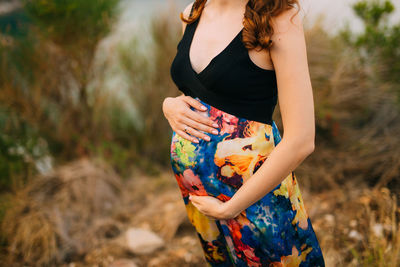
(186, 12)
(287, 20)
(187, 9)
(288, 28)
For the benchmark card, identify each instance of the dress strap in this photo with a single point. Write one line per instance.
(191, 10)
(191, 28)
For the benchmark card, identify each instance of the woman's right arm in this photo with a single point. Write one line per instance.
(179, 114)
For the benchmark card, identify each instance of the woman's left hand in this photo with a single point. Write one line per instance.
(213, 207)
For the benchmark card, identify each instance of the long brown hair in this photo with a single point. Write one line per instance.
(257, 21)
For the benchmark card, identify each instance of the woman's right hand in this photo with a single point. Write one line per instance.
(180, 116)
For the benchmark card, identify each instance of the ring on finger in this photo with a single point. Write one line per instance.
(185, 129)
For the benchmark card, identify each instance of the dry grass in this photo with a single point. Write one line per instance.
(357, 226)
(58, 216)
(356, 119)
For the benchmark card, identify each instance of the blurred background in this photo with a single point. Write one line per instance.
(85, 177)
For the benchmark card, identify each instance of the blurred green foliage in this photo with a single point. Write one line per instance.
(378, 44)
(21, 149)
(15, 23)
(372, 12)
(46, 54)
(66, 21)
(148, 73)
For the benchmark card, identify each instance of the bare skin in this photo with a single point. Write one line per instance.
(179, 115)
(288, 56)
(218, 18)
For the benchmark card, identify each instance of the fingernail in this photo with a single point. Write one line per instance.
(196, 141)
(203, 108)
(215, 124)
(208, 138)
(214, 131)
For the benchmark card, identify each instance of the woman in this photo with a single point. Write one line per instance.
(234, 170)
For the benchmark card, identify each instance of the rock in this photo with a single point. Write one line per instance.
(141, 241)
(330, 219)
(123, 263)
(355, 235)
(377, 229)
(167, 212)
(353, 223)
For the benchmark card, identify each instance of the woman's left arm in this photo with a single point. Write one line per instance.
(296, 104)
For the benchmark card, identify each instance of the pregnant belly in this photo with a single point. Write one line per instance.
(223, 164)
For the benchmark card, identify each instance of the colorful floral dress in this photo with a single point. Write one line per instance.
(274, 231)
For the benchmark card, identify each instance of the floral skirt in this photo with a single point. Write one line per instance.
(274, 231)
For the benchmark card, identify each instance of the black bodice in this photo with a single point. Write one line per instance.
(230, 82)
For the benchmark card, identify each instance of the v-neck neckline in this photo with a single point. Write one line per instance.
(212, 61)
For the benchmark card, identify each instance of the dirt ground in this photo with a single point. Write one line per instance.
(79, 215)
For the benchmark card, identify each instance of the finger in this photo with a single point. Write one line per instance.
(194, 132)
(195, 103)
(201, 118)
(198, 203)
(191, 131)
(199, 126)
(193, 198)
(211, 217)
(208, 214)
(196, 206)
(196, 197)
(186, 136)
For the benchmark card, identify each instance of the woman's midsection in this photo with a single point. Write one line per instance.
(230, 157)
